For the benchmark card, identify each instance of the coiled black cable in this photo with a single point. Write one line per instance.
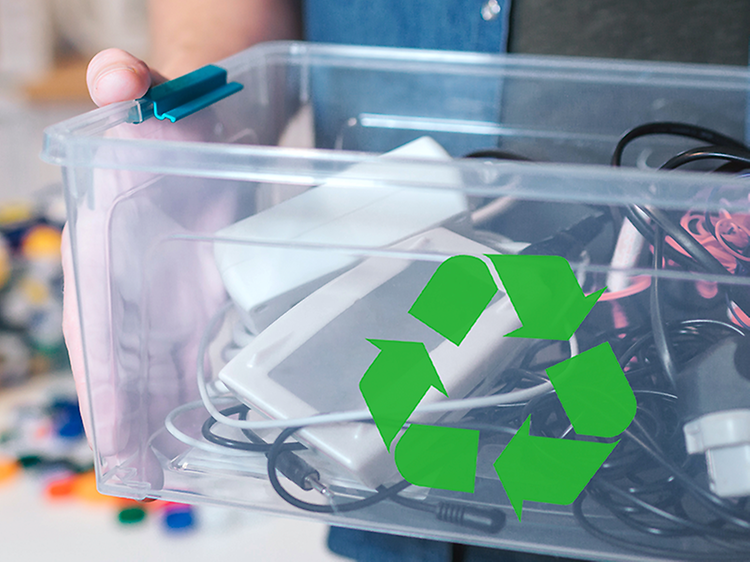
(488, 520)
(649, 483)
(739, 156)
(255, 443)
(273, 457)
(722, 147)
(676, 129)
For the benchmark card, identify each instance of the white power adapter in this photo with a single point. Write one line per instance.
(311, 359)
(263, 261)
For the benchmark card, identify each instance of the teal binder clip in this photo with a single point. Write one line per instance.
(185, 95)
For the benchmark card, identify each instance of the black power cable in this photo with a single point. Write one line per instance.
(281, 457)
(497, 154)
(273, 458)
(649, 483)
(661, 339)
(659, 507)
(675, 129)
(723, 148)
(735, 155)
(488, 520)
(255, 443)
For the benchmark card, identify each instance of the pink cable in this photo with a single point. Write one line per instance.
(640, 283)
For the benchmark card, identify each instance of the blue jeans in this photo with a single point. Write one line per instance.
(367, 546)
(424, 24)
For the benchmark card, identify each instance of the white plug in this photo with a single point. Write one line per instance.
(725, 439)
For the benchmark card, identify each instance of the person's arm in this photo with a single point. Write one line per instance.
(187, 34)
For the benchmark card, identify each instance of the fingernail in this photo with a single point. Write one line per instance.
(120, 83)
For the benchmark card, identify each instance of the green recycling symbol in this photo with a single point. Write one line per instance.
(591, 386)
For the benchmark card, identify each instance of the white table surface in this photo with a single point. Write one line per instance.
(33, 527)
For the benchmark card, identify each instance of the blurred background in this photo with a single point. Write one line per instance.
(49, 505)
(44, 48)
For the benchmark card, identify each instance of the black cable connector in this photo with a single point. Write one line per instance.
(296, 469)
(486, 520)
(571, 242)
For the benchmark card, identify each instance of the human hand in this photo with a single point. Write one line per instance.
(112, 276)
(186, 34)
(113, 75)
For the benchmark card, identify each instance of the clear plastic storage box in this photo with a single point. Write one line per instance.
(298, 298)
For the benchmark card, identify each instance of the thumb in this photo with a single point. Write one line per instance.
(114, 75)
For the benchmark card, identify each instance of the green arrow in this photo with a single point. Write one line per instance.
(548, 470)
(545, 294)
(455, 297)
(438, 457)
(396, 382)
(594, 392)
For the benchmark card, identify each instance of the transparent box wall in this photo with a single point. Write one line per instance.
(197, 241)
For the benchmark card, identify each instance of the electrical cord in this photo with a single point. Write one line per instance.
(570, 242)
(735, 155)
(482, 519)
(300, 472)
(171, 427)
(638, 484)
(255, 445)
(722, 147)
(648, 484)
(488, 520)
(281, 457)
(661, 339)
(651, 550)
(707, 262)
(273, 456)
(690, 336)
(497, 154)
(676, 129)
(636, 216)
